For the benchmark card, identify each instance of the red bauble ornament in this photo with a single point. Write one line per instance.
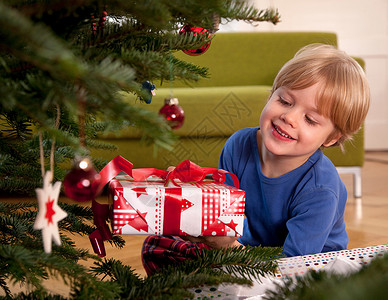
(82, 182)
(173, 113)
(197, 31)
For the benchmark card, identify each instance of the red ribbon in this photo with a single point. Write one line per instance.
(101, 212)
(172, 211)
(114, 167)
(186, 171)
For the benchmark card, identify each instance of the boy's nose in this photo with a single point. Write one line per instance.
(290, 117)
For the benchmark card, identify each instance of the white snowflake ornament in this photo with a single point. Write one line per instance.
(49, 213)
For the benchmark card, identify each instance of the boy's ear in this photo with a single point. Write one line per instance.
(332, 139)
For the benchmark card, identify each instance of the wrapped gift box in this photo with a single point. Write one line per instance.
(200, 208)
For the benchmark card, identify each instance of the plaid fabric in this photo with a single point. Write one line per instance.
(160, 251)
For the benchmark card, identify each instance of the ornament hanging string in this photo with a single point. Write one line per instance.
(171, 111)
(52, 150)
(81, 100)
(41, 154)
(171, 70)
(49, 213)
(53, 143)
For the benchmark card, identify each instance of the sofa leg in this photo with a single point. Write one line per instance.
(357, 180)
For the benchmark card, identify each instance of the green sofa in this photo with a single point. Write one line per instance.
(242, 68)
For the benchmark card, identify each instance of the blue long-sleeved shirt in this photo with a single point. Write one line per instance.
(301, 211)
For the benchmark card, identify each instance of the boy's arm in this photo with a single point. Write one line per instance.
(316, 225)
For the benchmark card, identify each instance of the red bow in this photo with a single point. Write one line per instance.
(186, 171)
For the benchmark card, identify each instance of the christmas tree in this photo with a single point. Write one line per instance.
(64, 66)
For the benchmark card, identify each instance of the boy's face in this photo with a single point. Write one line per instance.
(290, 124)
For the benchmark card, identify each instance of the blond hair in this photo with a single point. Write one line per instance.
(343, 95)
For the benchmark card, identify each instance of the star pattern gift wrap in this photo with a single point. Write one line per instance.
(182, 208)
(177, 202)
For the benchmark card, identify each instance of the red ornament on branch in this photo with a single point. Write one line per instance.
(197, 31)
(82, 182)
(173, 113)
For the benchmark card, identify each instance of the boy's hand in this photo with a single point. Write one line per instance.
(216, 242)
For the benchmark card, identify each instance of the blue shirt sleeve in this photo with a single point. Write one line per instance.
(313, 226)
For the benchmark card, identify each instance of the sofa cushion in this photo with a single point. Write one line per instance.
(353, 154)
(250, 58)
(209, 111)
(203, 151)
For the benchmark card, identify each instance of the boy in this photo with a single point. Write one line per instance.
(294, 196)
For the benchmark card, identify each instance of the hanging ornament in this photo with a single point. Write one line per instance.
(49, 213)
(173, 113)
(82, 182)
(149, 88)
(197, 31)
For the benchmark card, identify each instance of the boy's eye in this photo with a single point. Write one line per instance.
(310, 121)
(283, 101)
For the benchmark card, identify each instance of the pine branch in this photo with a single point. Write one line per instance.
(163, 66)
(116, 271)
(15, 230)
(233, 265)
(248, 262)
(16, 226)
(22, 258)
(15, 126)
(17, 186)
(238, 10)
(76, 219)
(171, 284)
(3, 278)
(101, 82)
(83, 213)
(95, 127)
(11, 208)
(31, 267)
(68, 250)
(44, 50)
(153, 127)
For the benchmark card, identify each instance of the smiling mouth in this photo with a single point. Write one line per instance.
(283, 134)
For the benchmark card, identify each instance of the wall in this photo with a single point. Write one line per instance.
(362, 29)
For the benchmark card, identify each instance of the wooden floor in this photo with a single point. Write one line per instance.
(366, 218)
